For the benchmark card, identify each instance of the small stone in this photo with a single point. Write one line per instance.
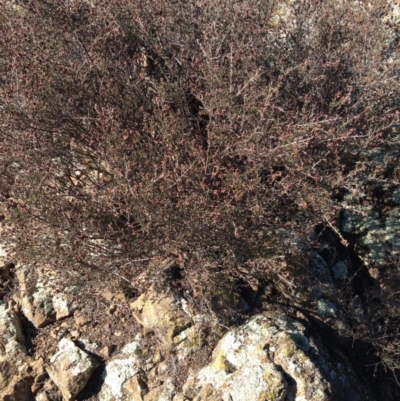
(326, 309)
(42, 397)
(157, 357)
(107, 295)
(121, 297)
(119, 372)
(106, 351)
(62, 307)
(75, 333)
(82, 320)
(37, 364)
(135, 387)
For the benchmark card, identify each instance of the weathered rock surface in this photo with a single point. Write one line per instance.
(161, 314)
(373, 211)
(122, 376)
(40, 297)
(11, 335)
(15, 382)
(70, 369)
(270, 359)
(164, 392)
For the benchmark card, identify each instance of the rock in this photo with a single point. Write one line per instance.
(3, 254)
(7, 372)
(396, 194)
(12, 340)
(161, 314)
(35, 300)
(41, 299)
(165, 392)
(187, 341)
(82, 319)
(15, 383)
(121, 374)
(107, 294)
(70, 369)
(106, 351)
(135, 388)
(62, 307)
(372, 214)
(326, 309)
(269, 358)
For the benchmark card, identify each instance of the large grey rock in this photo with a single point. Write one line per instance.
(270, 358)
(70, 369)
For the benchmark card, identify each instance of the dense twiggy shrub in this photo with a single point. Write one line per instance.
(212, 132)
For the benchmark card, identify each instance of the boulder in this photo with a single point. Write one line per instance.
(372, 211)
(70, 369)
(270, 359)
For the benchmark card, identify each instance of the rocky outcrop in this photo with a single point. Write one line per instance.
(271, 357)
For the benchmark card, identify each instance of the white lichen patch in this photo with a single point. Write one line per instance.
(118, 372)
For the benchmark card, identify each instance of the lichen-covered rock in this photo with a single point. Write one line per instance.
(269, 359)
(241, 369)
(378, 233)
(187, 341)
(162, 314)
(40, 297)
(122, 376)
(372, 213)
(70, 369)
(14, 381)
(12, 341)
(62, 306)
(34, 298)
(165, 392)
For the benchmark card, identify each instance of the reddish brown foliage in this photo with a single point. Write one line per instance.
(212, 131)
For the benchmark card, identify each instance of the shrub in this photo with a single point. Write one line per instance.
(212, 132)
